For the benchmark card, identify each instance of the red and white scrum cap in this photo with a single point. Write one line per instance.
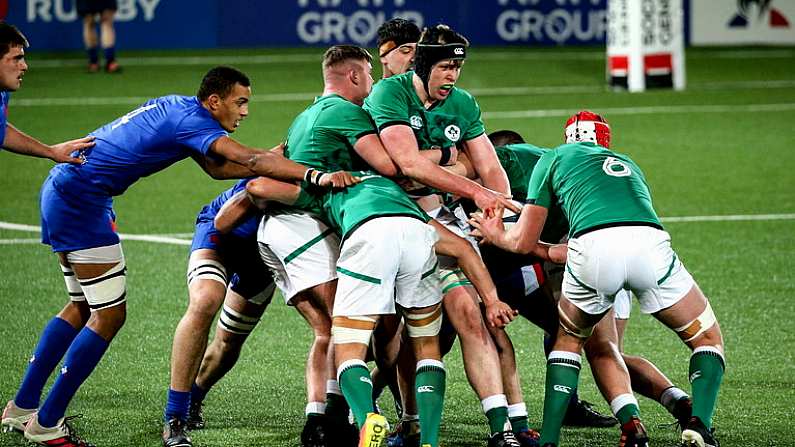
(587, 126)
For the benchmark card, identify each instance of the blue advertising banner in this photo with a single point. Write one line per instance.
(484, 22)
(53, 24)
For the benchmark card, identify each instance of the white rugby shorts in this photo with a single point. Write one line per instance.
(299, 249)
(636, 258)
(622, 305)
(384, 261)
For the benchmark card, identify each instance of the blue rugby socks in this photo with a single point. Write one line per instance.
(82, 357)
(53, 343)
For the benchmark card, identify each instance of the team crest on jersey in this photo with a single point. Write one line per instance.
(416, 122)
(452, 132)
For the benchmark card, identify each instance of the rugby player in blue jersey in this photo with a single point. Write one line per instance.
(78, 221)
(216, 260)
(12, 70)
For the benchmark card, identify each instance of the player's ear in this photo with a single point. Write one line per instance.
(214, 101)
(353, 75)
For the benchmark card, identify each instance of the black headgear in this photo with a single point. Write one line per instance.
(427, 55)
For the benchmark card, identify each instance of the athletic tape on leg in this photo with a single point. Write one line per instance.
(352, 330)
(108, 289)
(208, 269)
(235, 322)
(701, 324)
(425, 324)
(72, 284)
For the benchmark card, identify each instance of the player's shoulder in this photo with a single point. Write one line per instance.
(395, 84)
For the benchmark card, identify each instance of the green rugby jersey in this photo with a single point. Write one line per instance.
(324, 134)
(594, 186)
(394, 101)
(346, 209)
(518, 160)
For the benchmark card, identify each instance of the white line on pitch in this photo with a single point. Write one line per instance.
(167, 239)
(485, 55)
(726, 108)
(479, 92)
(730, 218)
(163, 239)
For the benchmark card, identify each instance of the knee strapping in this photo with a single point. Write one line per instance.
(701, 324)
(206, 269)
(352, 330)
(72, 284)
(108, 289)
(235, 322)
(572, 329)
(425, 324)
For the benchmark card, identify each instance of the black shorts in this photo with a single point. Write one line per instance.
(86, 7)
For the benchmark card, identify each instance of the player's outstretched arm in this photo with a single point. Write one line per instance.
(372, 151)
(263, 189)
(265, 163)
(521, 238)
(233, 212)
(221, 168)
(485, 162)
(401, 145)
(498, 314)
(22, 143)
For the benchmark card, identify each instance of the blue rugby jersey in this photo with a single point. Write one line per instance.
(5, 97)
(150, 138)
(246, 229)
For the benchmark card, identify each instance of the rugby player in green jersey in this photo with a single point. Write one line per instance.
(518, 158)
(423, 109)
(616, 243)
(387, 262)
(397, 41)
(333, 131)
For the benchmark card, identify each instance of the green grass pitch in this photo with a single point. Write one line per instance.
(722, 147)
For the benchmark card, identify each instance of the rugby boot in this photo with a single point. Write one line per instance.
(195, 416)
(62, 435)
(112, 67)
(698, 435)
(633, 434)
(528, 438)
(341, 433)
(683, 409)
(407, 434)
(15, 418)
(504, 439)
(582, 414)
(374, 431)
(314, 432)
(175, 434)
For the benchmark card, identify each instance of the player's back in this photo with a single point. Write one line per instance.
(598, 187)
(518, 161)
(375, 196)
(146, 140)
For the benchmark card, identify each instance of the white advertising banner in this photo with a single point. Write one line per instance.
(733, 22)
(645, 44)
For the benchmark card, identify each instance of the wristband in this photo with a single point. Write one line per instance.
(313, 176)
(447, 152)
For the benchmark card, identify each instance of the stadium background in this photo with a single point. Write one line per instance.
(718, 157)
